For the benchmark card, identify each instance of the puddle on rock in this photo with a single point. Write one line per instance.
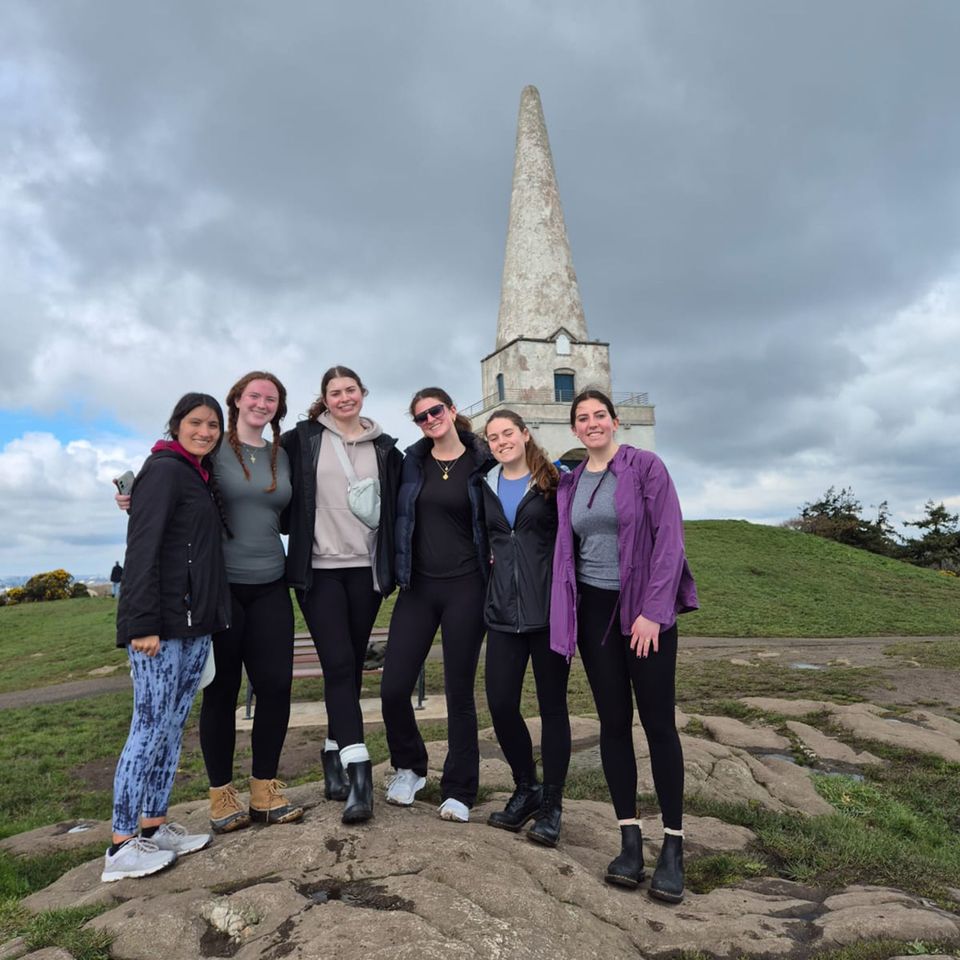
(806, 666)
(354, 893)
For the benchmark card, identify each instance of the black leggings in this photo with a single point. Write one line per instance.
(340, 608)
(260, 638)
(456, 606)
(507, 656)
(612, 667)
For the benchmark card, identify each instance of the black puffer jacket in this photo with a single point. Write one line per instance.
(303, 448)
(521, 557)
(174, 583)
(411, 482)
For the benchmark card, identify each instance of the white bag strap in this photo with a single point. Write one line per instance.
(342, 457)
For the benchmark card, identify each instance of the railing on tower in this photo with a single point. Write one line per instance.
(545, 396)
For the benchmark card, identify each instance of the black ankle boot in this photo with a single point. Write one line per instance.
(667, 883)
(627, 869)
(359, 805)
(546, 828)
(336, 786)
(524, 804)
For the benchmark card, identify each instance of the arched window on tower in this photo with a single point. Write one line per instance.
(501, 393)
(563, 344)
(563, 386)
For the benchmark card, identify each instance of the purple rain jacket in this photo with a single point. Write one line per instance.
(654, 577)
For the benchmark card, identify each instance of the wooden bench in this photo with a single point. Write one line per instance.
(306, 663)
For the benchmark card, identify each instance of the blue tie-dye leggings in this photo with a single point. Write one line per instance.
(163, 690)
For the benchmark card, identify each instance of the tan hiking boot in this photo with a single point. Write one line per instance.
(226, 811)
(269, 805)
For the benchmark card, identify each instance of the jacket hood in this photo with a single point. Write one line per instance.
(371, 429)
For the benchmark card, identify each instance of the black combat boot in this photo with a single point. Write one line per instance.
(546, 828)
(667, 883)
(627, 869)
(336, 785)
(524, 804)
(359, 805)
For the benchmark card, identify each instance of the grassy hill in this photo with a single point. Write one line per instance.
(757, 581)
(753, 581)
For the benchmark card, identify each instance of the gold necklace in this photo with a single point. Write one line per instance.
(250, 451)
(446, 466)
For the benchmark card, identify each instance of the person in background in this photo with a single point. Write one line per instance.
(175, 595)
(620, 577)
(116, 575)
(341, 564)
(520, 516)
(439, 570)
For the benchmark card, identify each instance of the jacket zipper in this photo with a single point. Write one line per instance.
(189, 596)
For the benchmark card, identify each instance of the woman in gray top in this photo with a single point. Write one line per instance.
(253, 474)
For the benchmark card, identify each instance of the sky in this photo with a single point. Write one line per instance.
(762, 201)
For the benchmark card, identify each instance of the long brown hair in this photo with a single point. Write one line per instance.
(319, 405)
(233, 414)
(461, 422)
(544, 475)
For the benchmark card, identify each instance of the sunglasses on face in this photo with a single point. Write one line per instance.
(435, 411)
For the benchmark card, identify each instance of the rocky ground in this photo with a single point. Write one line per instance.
(408, 885)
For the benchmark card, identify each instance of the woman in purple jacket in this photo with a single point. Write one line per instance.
(620, 577)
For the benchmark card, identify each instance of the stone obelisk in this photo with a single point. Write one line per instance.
(543, 353)
(539, 291)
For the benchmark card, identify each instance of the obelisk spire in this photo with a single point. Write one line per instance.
(539, 291)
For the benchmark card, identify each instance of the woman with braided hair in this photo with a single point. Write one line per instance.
(254, 476)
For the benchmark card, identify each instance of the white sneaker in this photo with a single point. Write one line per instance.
(452, 809)
(171, 836)
(403, 786)
(136, 858)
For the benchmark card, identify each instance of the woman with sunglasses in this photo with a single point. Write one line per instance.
(341, 563)
(620, 577)
(520, 515)
(174, 596)
(441, 585)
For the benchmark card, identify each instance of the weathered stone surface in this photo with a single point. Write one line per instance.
(787, 708)
(863, 722)
(13, 949)
(49, 953)
(57, 836)
(933, 721)
(728, 774)
(828, 748)
(894, 920)
(735, 733)
(411, 885)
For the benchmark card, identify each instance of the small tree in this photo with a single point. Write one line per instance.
(837, 516)
(940, 544)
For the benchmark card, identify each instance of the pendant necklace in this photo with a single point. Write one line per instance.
(251, 452)
(446, 466)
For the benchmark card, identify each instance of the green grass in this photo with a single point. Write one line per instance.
(757, 581)
(934, 653)
(55, 928)
(753, 581)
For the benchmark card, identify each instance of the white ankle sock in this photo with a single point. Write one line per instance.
(330, 745)
(633, 821)
(671, 832)
(355, 753)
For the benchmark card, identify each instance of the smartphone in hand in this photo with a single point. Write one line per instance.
(124, 484)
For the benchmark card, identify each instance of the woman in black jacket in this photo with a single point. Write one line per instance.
(520, 511)
(174, 596)
(440, 572)
(341, 564)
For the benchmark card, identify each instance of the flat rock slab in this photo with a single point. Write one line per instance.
(409, 885)
(919, 731)
(735, 733)
(828, 748)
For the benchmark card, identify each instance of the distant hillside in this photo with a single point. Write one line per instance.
(757, 581)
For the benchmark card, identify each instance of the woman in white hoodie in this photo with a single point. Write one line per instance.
(340, 561)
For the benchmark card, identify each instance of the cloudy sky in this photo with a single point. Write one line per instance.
(762, 198)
